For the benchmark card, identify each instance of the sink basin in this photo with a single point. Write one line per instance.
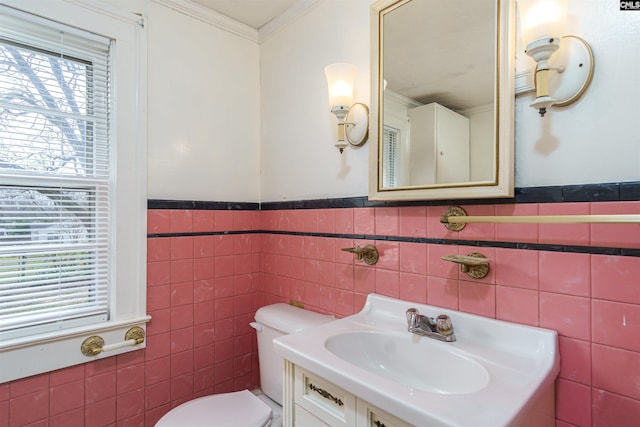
(496, 373)
(419, 363)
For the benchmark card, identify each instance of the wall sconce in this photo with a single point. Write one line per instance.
(543, 25)
(353, 119)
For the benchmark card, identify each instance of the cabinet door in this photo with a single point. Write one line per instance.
(452, 147)
(422, 145)
(370, 416)
(304, 418)
(439, 146)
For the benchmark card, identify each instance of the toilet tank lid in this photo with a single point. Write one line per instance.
(287, 318)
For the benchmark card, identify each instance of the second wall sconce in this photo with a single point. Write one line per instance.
(543, 25)
(353, 119)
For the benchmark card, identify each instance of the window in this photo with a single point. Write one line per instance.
(71, 258)
(390, 155)
(54, 181)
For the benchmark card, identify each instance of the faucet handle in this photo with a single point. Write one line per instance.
(444, 324)
(412, 317)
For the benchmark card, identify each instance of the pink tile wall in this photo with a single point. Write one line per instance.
(203, 290)
(593, 301)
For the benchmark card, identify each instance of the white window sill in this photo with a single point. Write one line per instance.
(55, 350)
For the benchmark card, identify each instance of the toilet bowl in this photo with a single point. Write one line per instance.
(238, 409)
(244, 408)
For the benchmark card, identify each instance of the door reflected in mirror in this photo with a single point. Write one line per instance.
(443, 99)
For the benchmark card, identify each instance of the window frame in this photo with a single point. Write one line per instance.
(25, 356)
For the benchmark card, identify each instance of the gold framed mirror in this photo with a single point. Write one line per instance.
(442, 99)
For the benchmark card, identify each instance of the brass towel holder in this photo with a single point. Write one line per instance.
(455, 219)
(94, 345)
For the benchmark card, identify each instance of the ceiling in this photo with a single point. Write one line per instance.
(443, 54)
(254, 13)
(457, 73)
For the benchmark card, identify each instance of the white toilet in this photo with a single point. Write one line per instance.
(244, 408)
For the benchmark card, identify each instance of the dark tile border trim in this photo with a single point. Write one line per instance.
(594, 250)
(201, 205)
(608, 192)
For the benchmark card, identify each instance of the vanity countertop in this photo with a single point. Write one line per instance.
(490, 376)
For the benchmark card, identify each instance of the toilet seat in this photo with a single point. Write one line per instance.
(238, 409)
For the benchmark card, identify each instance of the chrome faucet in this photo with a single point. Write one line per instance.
(439, 328)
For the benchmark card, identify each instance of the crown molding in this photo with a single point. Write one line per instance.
(209, 16)
(223, 22)
(298, 9)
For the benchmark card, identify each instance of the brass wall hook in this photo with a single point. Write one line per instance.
(368, 254)
(475, 265)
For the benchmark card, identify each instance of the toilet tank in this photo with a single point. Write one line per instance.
(273, 321)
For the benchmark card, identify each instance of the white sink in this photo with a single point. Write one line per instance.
(496, 373)
(399, 357)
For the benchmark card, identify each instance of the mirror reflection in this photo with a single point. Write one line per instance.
(438, 71)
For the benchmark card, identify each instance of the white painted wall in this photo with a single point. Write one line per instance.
(299, 160)
(594, 141)
(233, 120)
(203, 108)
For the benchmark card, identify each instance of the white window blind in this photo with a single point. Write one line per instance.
(55, 176)
(390, 154)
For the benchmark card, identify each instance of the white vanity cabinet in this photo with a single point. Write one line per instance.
(310, 401)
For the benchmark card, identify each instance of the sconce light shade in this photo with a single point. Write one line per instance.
(340, 81)
(542, 19)
(543, 27)
(353, 120)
